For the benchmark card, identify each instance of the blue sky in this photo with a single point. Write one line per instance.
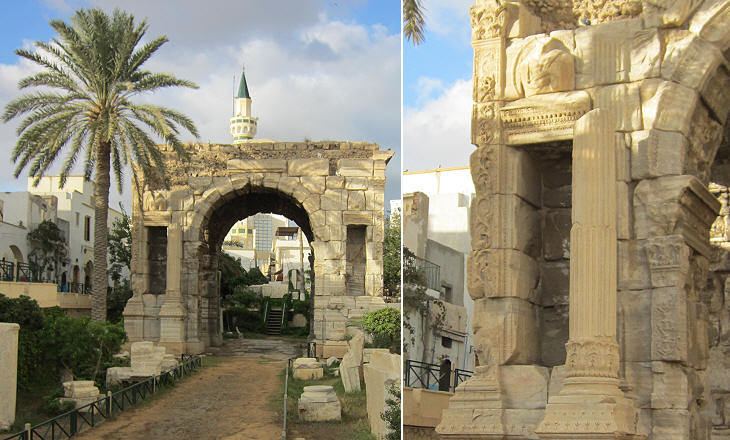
(437, 89)
(324, 70)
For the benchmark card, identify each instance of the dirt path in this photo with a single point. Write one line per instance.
(227, 401)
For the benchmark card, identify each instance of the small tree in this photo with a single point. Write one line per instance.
(384, 326)
(392, 256)
(48, 248)
(120, 246)
(391, 414)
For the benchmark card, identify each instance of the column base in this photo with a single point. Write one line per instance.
(590, 417)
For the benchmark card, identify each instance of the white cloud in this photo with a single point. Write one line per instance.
(317, 78)
(437, 132)
(448, 17)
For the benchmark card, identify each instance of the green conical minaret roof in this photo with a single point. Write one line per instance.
(243, 87)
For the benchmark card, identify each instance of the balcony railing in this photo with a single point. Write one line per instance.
(429, 376)
(421, 271)
(28, 273)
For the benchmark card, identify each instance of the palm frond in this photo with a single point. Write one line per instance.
(413, 21)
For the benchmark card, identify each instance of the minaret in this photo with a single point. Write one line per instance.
(243, 125)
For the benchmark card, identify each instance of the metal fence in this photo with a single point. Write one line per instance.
(426, 272)
(425, 375)
(88, 416)
(27, 273)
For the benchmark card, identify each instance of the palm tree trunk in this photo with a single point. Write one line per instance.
(101, 232)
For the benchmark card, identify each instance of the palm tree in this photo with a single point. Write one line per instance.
(90, 73)
(413, 21)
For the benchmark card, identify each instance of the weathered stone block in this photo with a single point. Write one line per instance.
(313, 184)
(553, 334)
(506, 329)
(355, 167)
(656, 153)
(309, 167)
(525, 386)
(665, 104)
(257, 165)
(356, 183)
(623, 102)
(554, 283)
(556, 235)
(634, 308)
(671, 387)
(356, 200)
(669, 336)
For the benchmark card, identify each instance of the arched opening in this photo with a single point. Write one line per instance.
(76, 274)
(64, 282)
(445, 375)
(88, 274)
(263, 232)
(17, 254)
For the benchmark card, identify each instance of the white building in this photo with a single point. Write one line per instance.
(76, 207)
(442, 237)
(291, 251)
(251, 239)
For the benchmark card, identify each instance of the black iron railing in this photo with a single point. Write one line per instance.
(77, 288)
(24, 272)
(460, 376)
(7, 271)
(428, 376)
(71, 423)
(424, 271)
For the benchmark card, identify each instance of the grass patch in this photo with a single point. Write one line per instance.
(354, 424)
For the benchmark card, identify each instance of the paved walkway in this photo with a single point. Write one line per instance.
(231, 400)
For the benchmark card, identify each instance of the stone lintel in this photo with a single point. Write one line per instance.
(543, 118)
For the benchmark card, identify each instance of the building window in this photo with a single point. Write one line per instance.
(448, 293)
(77, 219)
(87, 228)
(446, 342)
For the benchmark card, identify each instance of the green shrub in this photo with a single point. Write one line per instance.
(391, 414)
(243, 318)
(50, 341)
(384, 327)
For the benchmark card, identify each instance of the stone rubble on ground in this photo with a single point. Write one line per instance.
(147, 360)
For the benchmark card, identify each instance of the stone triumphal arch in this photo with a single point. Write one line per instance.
(601, 308)
(332, 190)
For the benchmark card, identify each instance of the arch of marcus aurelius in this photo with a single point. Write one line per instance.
(601, 164)
(332, 190)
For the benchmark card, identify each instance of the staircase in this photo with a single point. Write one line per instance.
(273, 322)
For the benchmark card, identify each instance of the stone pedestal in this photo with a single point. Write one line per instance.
(8, 372)
(590, 405)
(80, 392)
(307, 369)
(319, 403)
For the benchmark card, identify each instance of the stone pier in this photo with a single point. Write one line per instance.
(8, 372)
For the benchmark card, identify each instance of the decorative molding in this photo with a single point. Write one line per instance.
(543, 118)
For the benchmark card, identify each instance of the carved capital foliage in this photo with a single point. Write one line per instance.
(488, 20)
(592, 357)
